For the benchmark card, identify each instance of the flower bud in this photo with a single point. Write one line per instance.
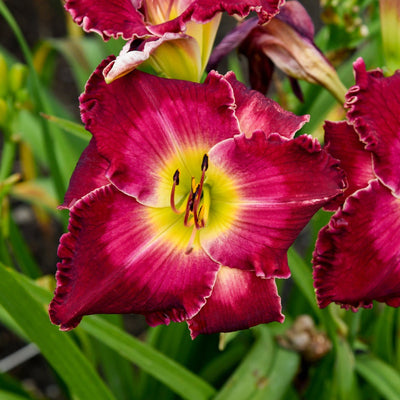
(3, 76)
(390, 28)
(3, 112)
(22, 99)
(17, 76)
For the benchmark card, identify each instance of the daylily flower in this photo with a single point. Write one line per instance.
(185, 202)
(286, 41)
(174, 36)
(356, 259)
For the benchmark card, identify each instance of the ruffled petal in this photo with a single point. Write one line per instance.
(343, 143)
(204, 10)
(239, 300)
(89, 174)
(109, 18)
(281, 183)
(122, 257)
(374, 107)
(356, 259)
(147, 127)
(257, 112)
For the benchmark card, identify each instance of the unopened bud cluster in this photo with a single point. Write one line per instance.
(13, 91)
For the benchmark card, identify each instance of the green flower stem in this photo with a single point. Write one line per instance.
(40, 102)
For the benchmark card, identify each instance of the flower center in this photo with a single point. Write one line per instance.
(200, 203)
(197, 204)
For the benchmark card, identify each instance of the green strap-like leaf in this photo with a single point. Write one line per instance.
(344, 370)
(253, 371)
(172, 374)
(71, 127)
(302, 276)
(285, 368)
(40, 101)
(384, 378)
(4, 395)
(179, 379)
(57, 347)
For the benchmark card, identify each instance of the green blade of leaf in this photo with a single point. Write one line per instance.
(40, 101)
(383, 344)
(286, 365)
(9, 384)
(4, 395)
(384, 378)
(71, 127)
(179, 379)
(344, 370)
(174, 342)
(253, 370)
(302, 276)
(22, 253)
(175, 376)
(117, 370)
(57, 347)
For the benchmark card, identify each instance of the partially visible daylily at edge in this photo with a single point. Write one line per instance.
(185, 202)
(287, 42)
(173, 38)
(356, 259)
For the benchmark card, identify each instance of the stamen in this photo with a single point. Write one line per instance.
(204, 164)
(193, 207)
(196, 194)
(172, 197)
(176, 177)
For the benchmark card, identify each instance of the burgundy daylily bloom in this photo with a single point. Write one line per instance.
(356, 259)
(287, 41)
(185, 202)
(167, 33)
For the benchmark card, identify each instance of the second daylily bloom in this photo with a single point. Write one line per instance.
(174, 38)
(356, 259)
(287, 41)
(185, 202)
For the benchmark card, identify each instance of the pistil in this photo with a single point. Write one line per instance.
(189, 205)
(204, 166)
